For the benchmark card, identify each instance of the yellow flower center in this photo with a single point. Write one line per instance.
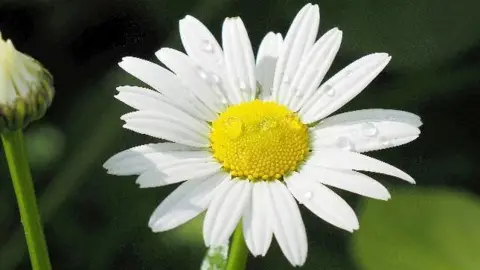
(259, 140)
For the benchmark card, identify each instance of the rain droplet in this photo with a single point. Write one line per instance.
(391, 118)
(344, 143)
(215, 78)
(242, 86)
(329, 90)
(369, 129)
(207, 46)
(267, 125)
(234, 127)
(384, 141)
(308, 195)
(202, 73)
(298, 93)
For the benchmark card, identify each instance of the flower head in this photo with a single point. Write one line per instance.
(249, 138)
(26, 88)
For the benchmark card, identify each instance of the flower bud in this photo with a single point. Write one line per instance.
(26, 88)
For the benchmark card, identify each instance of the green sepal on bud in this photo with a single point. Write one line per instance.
(26, 88)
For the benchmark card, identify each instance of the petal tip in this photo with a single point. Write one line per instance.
(186, 18)
(408, 178)
(308, 5)
(386, 198)
(121, 88)
(107, 164)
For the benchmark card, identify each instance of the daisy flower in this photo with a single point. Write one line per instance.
(250, 137)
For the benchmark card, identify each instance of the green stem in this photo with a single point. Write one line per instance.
(237, 257)
(14, 146)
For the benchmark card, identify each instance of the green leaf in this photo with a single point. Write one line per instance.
(215, 258)
(420, 229)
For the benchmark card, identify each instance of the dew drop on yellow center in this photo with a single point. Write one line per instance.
(259, 140)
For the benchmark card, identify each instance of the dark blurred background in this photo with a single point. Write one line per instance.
(96, 221)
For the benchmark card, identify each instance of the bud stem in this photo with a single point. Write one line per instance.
(14, 146)
(237, 258)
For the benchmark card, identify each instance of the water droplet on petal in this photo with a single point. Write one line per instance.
(215, 78)
(298, 93)
(369, 129)
(308, 195)
(391, 118)
(344, 143)
(329, 90)
(202, 73)
(243, 86)
(207, 46)
(384, 141)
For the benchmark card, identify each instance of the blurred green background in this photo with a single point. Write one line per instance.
(96, 221)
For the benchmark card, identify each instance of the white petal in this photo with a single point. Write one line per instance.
(177, 171)
(343, 86)
(184, 203)
(147, 149)
(313, 68)
(322, 201)
(225, 211)
(150, 73)
(202, 47)
(298, 41)
(367, 130)
(174, 127)
(167, 84)
(348, 180)
(239, 60)
(257, 227)
(229, 42)
(193, 76)
(373, 115)
(168, 111)
(141, 158)
(287, 224)
(340, 159)
(141, 163)
(140, 98)
(267, 56)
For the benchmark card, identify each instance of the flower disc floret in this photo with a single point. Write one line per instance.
(259, 140)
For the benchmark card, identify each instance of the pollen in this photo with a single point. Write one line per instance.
(259, 140)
